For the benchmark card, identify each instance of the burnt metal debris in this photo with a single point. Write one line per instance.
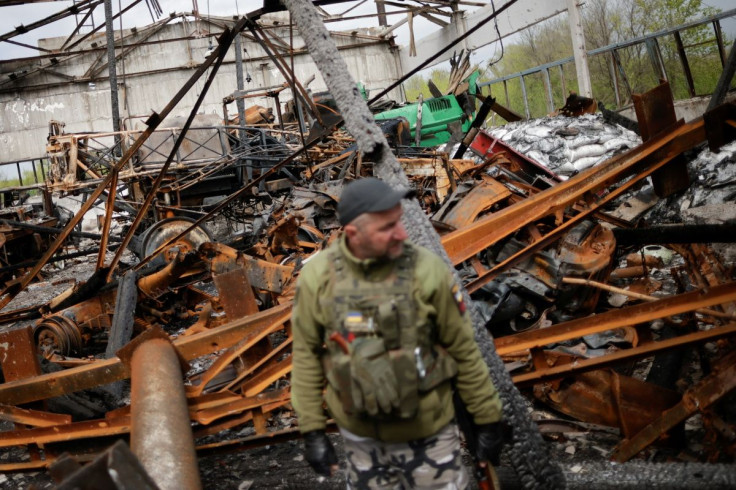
(210, 220)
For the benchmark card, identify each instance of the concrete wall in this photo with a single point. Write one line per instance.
(153, 74)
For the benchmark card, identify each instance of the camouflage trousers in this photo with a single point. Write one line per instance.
(431, 463)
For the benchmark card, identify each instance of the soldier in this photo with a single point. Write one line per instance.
(383, 323)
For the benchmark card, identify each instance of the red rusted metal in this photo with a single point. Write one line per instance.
(18, 355)
(698, 398)
(486, 146)
(34, 418)
(606, 397)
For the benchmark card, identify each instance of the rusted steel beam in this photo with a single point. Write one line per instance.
(68, 432)
(633, 315)
(161, 434)
(109, 209)
(270, 373)
(103, 372)
(33, 418)
(264, 359)
(229, 356)
(699, 397)
(484, 195)
(552, 236)
(643, 350)
(633, 294)
(463, 244)
(208, 415)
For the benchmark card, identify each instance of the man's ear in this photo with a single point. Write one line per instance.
(350, 231)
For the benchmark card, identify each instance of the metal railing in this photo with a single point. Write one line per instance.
(616, 69)
(23, 169)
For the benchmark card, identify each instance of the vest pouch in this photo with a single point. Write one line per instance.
(374, 385)
(337, 372)
(406, 376)
(435, 366)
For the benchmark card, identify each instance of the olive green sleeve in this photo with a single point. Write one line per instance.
(307, 374)
(455, 333)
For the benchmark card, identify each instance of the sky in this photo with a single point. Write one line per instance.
(11, 17)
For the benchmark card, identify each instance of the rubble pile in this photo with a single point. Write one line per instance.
(573, 310)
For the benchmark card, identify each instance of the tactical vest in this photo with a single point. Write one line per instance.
(380, 356)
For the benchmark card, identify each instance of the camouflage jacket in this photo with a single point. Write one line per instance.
(436, 297)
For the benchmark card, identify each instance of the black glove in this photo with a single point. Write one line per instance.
(488, 442)
(319, 452)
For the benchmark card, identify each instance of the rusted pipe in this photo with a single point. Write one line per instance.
(628, 272)
(161, 434)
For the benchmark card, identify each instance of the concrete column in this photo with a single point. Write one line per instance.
(112, 73)
(579, 51)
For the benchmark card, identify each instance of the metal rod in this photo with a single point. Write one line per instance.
(109, 208)
(239, 102)
(523, 95)
(112, 71)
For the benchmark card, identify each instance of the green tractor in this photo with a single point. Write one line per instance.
(438, 118)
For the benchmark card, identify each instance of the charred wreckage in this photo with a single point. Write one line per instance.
(595, 307)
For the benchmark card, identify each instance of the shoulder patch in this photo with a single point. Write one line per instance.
(457, 295)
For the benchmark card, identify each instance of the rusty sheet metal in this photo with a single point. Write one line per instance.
(655, 111)
(261, 273)
(18, 355)
(463, 244)
(632, 315)
(482, 197)
(606, 397)
(106, 371)
(236, 295)
(720, 134)
(697, 398)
